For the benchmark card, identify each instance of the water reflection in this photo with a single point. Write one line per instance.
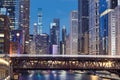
(57, 75)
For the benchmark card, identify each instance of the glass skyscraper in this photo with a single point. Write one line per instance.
(106, 7)
(55, 35)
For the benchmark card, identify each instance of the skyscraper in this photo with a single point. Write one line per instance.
(10, 6)
(83, 26)
(103, 30)
(68, 44)
(42, 44)
(106, 6)
(16, 42)
(55, 35)
(32, 48)
(63, 40)
(93, 27)
(57, 22)
(4, 34)
(74, 33)
(117, 11)
(112, 33)
(24, 13)
(40, 25)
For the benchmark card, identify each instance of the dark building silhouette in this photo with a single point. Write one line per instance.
(55, 35)
(63, 43)
(4, 34)
(112, 4)
(83, 26)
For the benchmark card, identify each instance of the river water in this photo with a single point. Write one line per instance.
(57, 75)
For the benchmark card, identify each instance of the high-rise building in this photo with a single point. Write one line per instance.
(106, 6)
(93, 27)
(32, 41)
(74, 33)
(61, 47)
(112, 33)
(34, 31)
(32, 48)
(57, 22)
(24, 13)
(16, 46)
(64, 40)
(4, 34)
(68, 45)
(55, 35)
(42, 44)
(40, 25)
(10, 6)
(83, 26)
(117, 11)
(18, 13)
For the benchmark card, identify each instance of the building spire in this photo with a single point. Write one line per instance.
(40, 21)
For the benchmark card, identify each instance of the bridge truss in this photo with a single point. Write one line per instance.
(66, 63)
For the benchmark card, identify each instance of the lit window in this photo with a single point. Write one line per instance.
(1, 35)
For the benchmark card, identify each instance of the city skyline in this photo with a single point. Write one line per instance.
(88, 35)
(52, 9)
(67, 35)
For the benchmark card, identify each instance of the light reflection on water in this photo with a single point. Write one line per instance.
(57, 75)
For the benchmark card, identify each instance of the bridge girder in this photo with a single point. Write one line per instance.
(65, 63)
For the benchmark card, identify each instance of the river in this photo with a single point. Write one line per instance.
(58, 75)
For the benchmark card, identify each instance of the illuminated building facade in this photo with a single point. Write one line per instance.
(106, 6)
(117, 11)
(32, 46)
(24, 13)
(4, 34)
(42, 44)
(40, 25)
(10, 6)
(74, 33)
(16, 46)
(114, 31)
(93, 27)
(68, 45)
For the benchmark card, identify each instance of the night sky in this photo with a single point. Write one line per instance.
(52, 9)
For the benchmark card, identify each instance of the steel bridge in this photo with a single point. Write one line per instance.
(20, 63)
(66, 62)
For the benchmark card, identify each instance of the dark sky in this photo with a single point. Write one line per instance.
(52, 9)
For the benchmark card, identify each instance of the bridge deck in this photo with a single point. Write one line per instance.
(65, 62)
